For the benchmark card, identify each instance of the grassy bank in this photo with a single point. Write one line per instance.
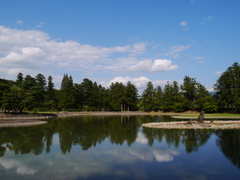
(212, 115)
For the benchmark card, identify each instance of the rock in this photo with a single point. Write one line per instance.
(201, 117)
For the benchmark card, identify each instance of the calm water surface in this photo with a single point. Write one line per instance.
(117, 147)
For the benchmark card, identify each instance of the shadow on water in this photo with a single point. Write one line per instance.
(89, 131)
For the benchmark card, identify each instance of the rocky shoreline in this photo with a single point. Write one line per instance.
(229, 124)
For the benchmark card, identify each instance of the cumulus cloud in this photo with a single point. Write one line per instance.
(34, 48)
(153, 66)
(183, 23)
(139, 82)
(175, 50)
(132, 64)
(24, 58)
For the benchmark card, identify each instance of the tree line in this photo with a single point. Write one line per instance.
(38, 94)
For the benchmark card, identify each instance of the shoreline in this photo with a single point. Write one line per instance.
(31, 120)
(227, 124)
(21, 123)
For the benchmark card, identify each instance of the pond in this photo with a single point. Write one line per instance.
(117, 147)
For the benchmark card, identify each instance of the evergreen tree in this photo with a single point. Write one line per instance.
(50, 94)
(228, 88)
(67, 93)
(189, 90)
(131, 96)
(148, 98)
(159, 97)
(19, 80)
(117, 94)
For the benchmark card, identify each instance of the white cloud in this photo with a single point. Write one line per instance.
(35, 49)
(19, 22)
(175, 50)
(218, 73)
(183, 23)
(40, 24)
(139, 82)
(25, 58)
(157, 65)
(207, 18)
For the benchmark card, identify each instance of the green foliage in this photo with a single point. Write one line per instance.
(228, 88)
(148, 98)
(36, 93)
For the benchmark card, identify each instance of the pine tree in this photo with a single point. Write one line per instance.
(148, 98)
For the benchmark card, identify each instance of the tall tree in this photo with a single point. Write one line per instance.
(50, 94)
(131, 96)
(148, 97)
(67, 93)
(159, 97)
(189, 90)
(227, 88)
(117, 94)
(19, 80)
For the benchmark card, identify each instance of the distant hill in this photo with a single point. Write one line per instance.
(212, 93)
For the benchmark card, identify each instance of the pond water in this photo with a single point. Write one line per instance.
(117, 147)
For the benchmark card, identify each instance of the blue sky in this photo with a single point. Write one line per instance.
(119, 40)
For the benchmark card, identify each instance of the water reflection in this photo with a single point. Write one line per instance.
(229, 143)
(83, 147)
(89, 131)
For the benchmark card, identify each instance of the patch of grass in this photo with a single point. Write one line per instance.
(213, 115)
(47, 112)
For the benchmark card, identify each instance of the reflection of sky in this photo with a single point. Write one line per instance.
(141, 138)
(99, 160)
(137, 161)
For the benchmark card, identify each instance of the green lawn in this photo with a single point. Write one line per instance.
(213, 115)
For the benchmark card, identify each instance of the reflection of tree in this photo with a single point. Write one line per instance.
(2, 151)
(22, 140)
(88, 131)
(229, 143)
(192, 139)
(195, 139)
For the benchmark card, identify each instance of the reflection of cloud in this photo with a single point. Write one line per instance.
(20, 168)
(83, 164)
(165, 155)
(141, 138)
(55, 139)
(161, 155)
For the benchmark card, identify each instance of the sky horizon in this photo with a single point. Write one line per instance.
(119, 41)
